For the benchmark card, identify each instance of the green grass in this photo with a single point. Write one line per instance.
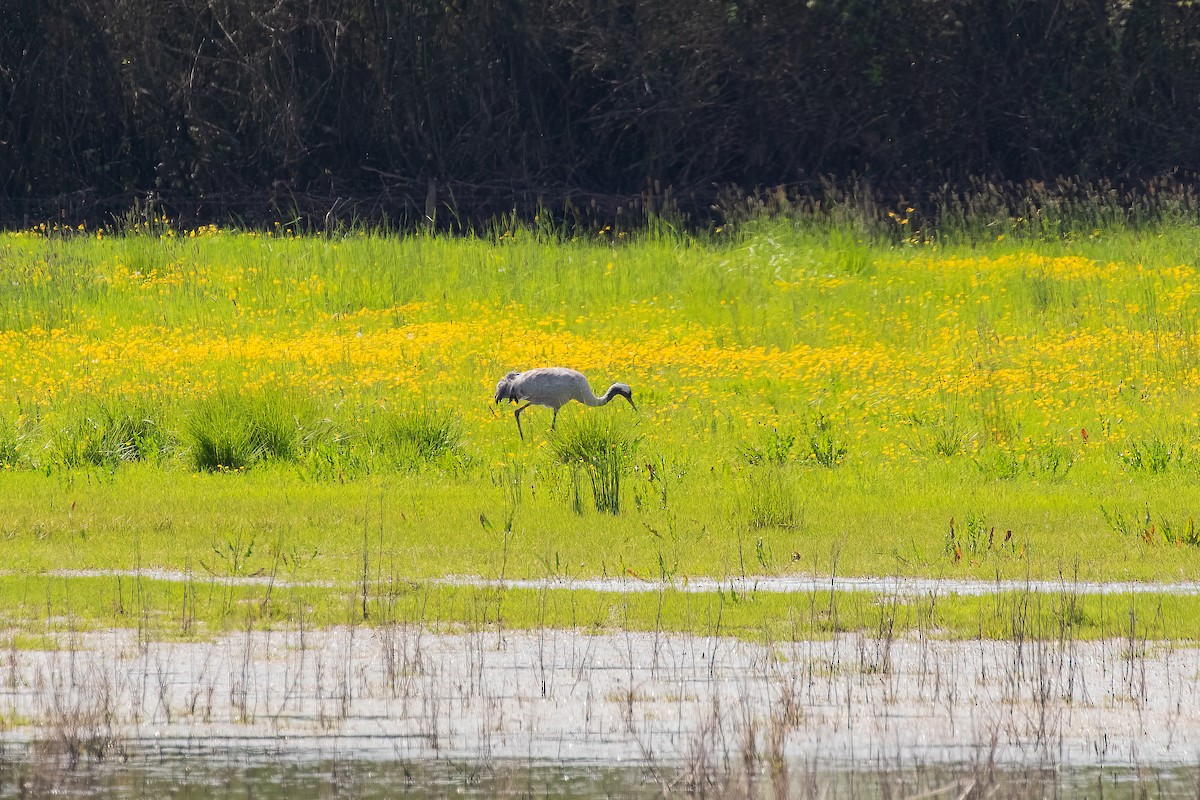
(199, 605)
(432, 523)
(809, 400)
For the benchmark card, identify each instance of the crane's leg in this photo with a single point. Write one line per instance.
(517, 414)
(554, 421)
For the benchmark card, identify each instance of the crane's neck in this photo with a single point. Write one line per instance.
(592, 400)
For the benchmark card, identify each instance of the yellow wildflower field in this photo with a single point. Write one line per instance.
(1012, 408)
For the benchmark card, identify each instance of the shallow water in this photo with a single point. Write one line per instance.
(891, 586)
(808, 584)
(702, 704)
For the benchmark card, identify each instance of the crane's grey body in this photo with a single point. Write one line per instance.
(553, 387)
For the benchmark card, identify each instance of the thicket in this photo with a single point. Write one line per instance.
(403, 109)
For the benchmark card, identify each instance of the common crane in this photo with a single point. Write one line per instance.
(553, 387)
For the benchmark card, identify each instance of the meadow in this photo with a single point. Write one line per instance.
(316, 410)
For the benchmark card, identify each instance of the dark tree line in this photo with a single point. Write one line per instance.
(405, 106)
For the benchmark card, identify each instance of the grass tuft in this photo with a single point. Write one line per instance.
(774, 447)
(600, 445)
(110, 432)
(230, 432)
(416, 438)
(770, 499)
(13, 439)
(1152, 454)
(826, 444)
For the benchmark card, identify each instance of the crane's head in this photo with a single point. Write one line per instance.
(623, 390)
(504, 389)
